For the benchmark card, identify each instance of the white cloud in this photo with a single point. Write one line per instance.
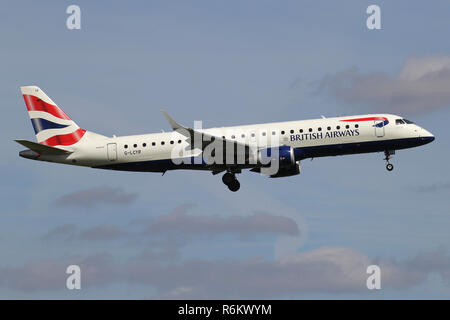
(421, 85)
(323, 270)
(179, 223)
(96, 195)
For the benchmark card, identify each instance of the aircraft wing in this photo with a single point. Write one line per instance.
(202, 136)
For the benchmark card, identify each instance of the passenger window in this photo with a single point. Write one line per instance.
(310, 129)
(179, 141)
(301, 130)
(264, 134)
(328, 128)
(162, 143)
(171, 141)
(243, 136)
(135, 145)
(357, 126)
(125, 146)
(153, 143)
(292, 131)
(233, 136)
(319, 129)
(144, 144)
(347, 126)
(338, 127)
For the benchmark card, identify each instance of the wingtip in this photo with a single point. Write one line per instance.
(175, 125)
(165, 114)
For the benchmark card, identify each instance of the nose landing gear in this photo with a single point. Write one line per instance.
(388, 154)
(229, 179)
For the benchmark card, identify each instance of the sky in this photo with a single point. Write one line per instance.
(184, 235)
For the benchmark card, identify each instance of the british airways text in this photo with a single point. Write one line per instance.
(322, 135)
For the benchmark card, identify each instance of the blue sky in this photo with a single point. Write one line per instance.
(184, 235)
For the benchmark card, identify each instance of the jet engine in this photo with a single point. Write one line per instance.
(287, 172)
(278, 162)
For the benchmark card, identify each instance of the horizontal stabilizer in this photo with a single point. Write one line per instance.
(41, 148)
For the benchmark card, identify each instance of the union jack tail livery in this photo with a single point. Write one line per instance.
(52, 126)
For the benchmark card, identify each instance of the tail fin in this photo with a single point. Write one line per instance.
(52, 126)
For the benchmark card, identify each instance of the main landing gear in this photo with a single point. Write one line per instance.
(231, 182)
(388, 154)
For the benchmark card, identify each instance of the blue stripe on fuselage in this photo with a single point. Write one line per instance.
(359, 147)
(382, 124)
(300, 154)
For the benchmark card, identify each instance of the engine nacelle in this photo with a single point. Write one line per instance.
(278, 162)
(284, 155)
(288, 171)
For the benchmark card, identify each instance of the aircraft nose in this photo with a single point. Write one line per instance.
(427, 139)
(426, 136)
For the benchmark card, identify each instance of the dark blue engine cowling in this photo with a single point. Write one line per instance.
(288, 171)
(283, 154)
(287, 166)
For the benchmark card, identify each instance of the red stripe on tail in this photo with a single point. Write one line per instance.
(35, 104)
(64, 139)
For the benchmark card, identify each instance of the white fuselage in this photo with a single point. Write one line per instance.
(309, 138)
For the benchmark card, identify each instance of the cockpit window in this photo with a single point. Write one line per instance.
(399, 121)
(408, 121)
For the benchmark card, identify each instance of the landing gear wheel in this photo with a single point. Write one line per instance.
(388, 154)
(228, 178)
(234, 185)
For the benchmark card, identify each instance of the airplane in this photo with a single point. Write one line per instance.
(274, 149)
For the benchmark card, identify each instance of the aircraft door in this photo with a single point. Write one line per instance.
(112, 151)
(379, 128)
